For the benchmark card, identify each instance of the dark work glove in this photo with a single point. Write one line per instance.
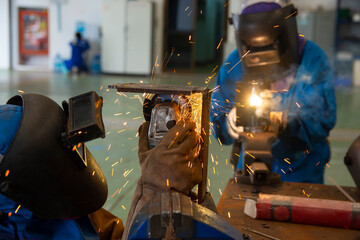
(278, 122)
(172, 165)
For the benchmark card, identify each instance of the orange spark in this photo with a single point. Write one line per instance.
(249, 154)
(219, 43)
(290, 15)
(17, 209)
(7, 173)
(276, 26)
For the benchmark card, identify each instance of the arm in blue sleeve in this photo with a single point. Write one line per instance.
(312, 112)
(223, 97)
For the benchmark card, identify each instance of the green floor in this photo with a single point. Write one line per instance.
(117, 153)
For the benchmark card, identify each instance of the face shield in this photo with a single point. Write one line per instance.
(41, 172)
(267, 41)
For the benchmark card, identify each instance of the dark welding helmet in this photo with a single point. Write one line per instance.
(267, 40)
(41, 171)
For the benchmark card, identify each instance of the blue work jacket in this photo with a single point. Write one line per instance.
(311, 106)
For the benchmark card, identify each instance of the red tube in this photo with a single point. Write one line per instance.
(313, 211)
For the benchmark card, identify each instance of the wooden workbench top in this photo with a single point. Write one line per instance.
(231, 207)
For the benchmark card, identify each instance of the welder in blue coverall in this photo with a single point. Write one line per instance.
(50, 191)
(300, 82)
(78, 47)
(45, 192)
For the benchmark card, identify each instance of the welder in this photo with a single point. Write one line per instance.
(299, 77)
(50, 185)
(79, 47)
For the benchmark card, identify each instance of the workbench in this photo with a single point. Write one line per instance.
(231, 208)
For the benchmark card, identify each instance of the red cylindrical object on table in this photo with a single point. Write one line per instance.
(309, 211)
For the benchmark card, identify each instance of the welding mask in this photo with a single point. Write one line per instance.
(267, 41)
(41, 172)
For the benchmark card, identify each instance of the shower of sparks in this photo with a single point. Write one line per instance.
(127, 172)
(219, 141)
(189, 37)
(220, 192)
(17, 209)
(200, 11)
(215, 68)
(134, 149)
(114, 164)
(287, 160)
(121, 131)
(212, 158)
(117, 190)
(298, 104)
(214, 170)
(106, 158)
(290, 15)
(101, 87)
(167, 182)
(328, 165)
(276, 26)
(227, 3)
(137, 118)
(123, 207)
(7, 173)
(239, 61)
(283, 171)
(301, 35)
(93, 173)
(318, 163)
(20, 91)
(189, 13)
(215, 89)
(187, 8)
(249, 168)
(250, 154)
(109, 147)
(112, 172)
(229, 215)
(125, 184)
(219, 43)
(9, 214)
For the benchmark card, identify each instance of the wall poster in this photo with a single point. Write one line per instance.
(33, 32)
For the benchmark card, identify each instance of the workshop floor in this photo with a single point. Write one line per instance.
(117, 153)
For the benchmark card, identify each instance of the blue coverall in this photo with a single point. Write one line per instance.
(22, 222)
(77, 59)
(311, 106)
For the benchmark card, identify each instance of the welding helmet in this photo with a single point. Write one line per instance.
(267, 37)
(41, 173)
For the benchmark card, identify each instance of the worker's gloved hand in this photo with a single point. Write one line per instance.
(172, 165)
(233, 130)
(278, 122)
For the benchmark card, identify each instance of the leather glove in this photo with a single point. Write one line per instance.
(278, 122)
(233, 130)
(172, 165)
